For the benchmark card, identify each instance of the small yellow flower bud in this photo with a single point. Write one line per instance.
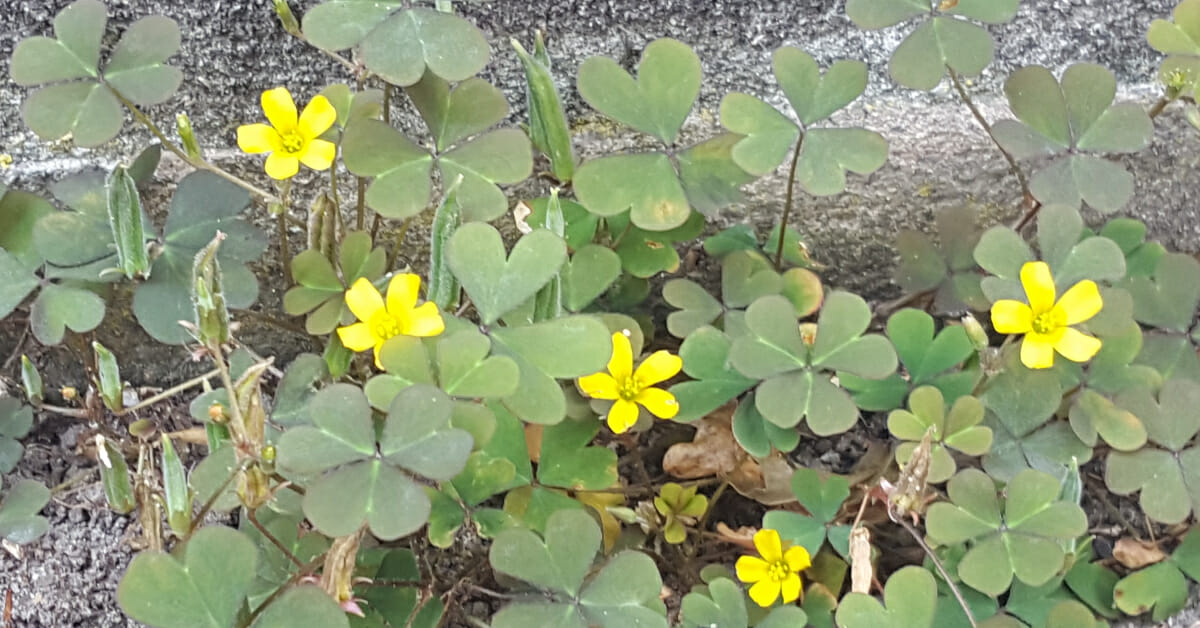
(216, 413)
(975, 332)
(69, 393)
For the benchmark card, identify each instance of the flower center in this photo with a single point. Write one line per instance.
(385, 326)
(292, 142)
(778, 571)
(629, 389)
(1047, 322)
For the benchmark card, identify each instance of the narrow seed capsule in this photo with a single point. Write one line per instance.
(444, 288)
(548, 128)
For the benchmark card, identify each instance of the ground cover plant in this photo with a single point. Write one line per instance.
(512, 388)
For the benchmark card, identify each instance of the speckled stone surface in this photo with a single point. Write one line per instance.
(233, 49)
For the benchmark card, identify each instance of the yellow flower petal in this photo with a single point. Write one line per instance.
(258, 138)
(402, 293)
(621, 362)
(280, 109)
(364, 300)
(356, 337)
(765, 592)
(319, 154)
(317, 117)
(790, 588)
(424, 321)
(282, 166)
(1039, 286)
(1077, 346)
(1011, 317)
(1081, 302)
(622, 416)
(1037, 351)
(751, 569)
(797, 558)
(659, 402)
(660, 366)
(599, 386)
(769, 546)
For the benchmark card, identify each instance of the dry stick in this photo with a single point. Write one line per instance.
(75, 413)
(787, 205)
(941, 569)
(271, 537)
(197, 163)
(170, 392)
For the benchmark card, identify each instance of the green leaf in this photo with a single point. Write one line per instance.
(746, 276)
(1180, 37)
(658, 101)
(839, 344)
(16, 282)
(498, 283)
(923, 354)
(567, 460)
(723, 607)
(921, 60)
(451, 115)
(625, 593)
(787, 399)
(20, 522)
(137, 67)
(418, 437)
(558, 563)
(400, 48)
(1105, 185)
(1161, 588)
(876, 14)
(1023, 399)
(304, 605)
(60, 307)
(814, 97)
(769, 134)
(501, 465)
(1170, 298)
(203, 205)
(401, 188)
(588, 275)
(466, 370)
(696, 307)
(711, 178)
(567, 347)
(1094, 415)
(705, 355)
(341, 24)
(205, 588)
(16, 419)
(19, 213)
(828, 153)
(645, 184)
(85, 110)
(501, 156)
(1050, 450)
(773, 345)
(910, 596)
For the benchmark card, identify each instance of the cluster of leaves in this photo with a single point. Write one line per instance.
(480, 430)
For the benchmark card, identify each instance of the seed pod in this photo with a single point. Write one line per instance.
(114, 475)
(110, 377)
(548, 302)
(125, 220)
(183, 125)
(175, 490)
(443, 285)
(287, 18)
(32, 380)
(323, 231)
(547, 123)
(208, 296)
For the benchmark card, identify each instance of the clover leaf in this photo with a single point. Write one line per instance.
(825, 153)
(393, 605)
(798, 375)
(1141, 256)
(959, 430)
(947, 268)
(1074, 118)
(929, 360)
(498, 282)
(500, 465)
(399, 45)
(723, 605)
(658, 101)
(80, 100)
(822, 497)
(623, 592)
(1168, 299)
(910, 596)
(458, 120)
(203, 204)
(705, 355)
(567, 459)
(20, 522)
(275, 567)
(1162, 586)
(364, 478)
(321, 290)
(1166, 474)
(1023, 540)
(1180, 41)
(756, 434)
(941, 41)
(16, 419)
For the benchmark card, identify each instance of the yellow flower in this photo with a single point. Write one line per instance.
(1045, 323)
(777, 572)
(290, 139)
(628, 387)
(381, 321)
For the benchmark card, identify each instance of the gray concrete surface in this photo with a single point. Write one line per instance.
(234, 48)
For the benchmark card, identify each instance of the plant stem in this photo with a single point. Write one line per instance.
(307, 569)
(75, 413)
(198, 164)
(787, 205)
(941, 569)
(1012, 162)
(208, 505)
(271, 537)
(361, 204)
(285, 247)
(403, 231)
(170, 392)
(1158, 107)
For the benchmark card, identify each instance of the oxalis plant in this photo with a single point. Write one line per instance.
(514, 388)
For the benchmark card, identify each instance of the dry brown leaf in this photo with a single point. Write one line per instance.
(600, 502)
(533, 441)
(767, 481)
(742, 537)
(861, 572)
(1136, 554)
(712, 451)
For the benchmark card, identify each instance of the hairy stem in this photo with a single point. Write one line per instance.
(1012, 162)
(787, 204)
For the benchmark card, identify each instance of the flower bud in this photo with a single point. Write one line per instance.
(69, 393)
(216, 413)
(975, 332)
(183, 125)
(208, 296)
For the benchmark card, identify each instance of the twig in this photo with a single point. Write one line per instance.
(787, 205)
(75, 413)
(170, 392)
(1012, 162)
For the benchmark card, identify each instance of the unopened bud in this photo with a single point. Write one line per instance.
(808, 333)
(208, 295)
(69, 393)
(268, 453)
(975, 332)
(183, 125)
(216, 413)
(287, 18)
